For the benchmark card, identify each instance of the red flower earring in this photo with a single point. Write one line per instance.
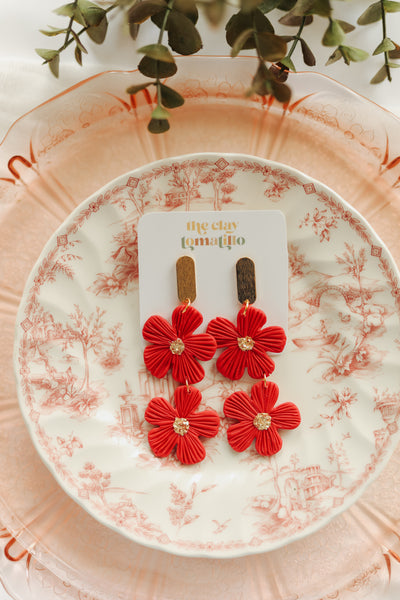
(246, 345)
(175, 346)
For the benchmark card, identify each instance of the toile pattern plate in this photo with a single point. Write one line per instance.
(83, 388)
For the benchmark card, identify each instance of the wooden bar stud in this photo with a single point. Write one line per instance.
(186, 278)
(246, 280)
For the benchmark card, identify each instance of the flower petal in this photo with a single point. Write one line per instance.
(205, 423)
(264, 396)
(186, 401)
(271, 339)
(186, 319)
(259, 364)
(190, 450)
(157, 330)
(239, 406)
(224, 332)
(241, 435)
(160, 412)
(232, 362)
(203, 346)
(157, 360)
(162, 440)
(268, 441)
(186, 368)
(286, 416)
(250, 321)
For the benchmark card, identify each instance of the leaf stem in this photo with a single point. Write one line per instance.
(67, 35)
(159, 41)
(164, 23)
(297, 37)
(383, 13)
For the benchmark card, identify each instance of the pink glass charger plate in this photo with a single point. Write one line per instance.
(83, 387)
(327, 132)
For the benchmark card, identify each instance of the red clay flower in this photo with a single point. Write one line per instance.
(180, 426)
(259, 419)
(175, 345)
(246, 344)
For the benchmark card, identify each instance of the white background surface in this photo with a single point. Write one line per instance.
(24, 83)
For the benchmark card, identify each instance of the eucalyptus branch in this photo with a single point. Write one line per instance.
(377, 11)
(94, 21)
(252, 27)
(386, 52)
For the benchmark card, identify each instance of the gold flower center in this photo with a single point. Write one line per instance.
(245, 343)
(262, 421)
(177, 346)
(181, 426)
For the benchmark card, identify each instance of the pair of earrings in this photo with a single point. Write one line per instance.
(245, 345)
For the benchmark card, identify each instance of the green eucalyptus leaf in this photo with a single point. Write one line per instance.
(385, 46)
(158, 19)
(312, 7)
(98, 33)
(286, 4)
(160, 113)
(54, 65)
(78, 55)
(241, 41)
(396, 52)
(248, 6)
(380, 76)
(271, 47)
(267, 5)
(288, 63)
(355, 54)
(133, 30)
(170, 98)
(78, 42)
(53, 31)
(156, 68)
(143, 10)
(188, 8)
(261, 82)
(158, 126)
(47, 55)
(183, 36)
(134, 89)
(371, 15)
(347, 27)
(281, 92)
(337, 55)
(393, 65)
(214, 11)
(391, 6)
(334, 34)
(91, 13)
(157, 52)
(241, 21)
(292, 20)
(308, 56)
(67, 10)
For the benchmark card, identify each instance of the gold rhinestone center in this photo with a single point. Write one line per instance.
(177, 346)
(245, 343)
(262, 421)
(181, 426)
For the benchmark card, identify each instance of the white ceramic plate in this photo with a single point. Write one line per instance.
(83, 388)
